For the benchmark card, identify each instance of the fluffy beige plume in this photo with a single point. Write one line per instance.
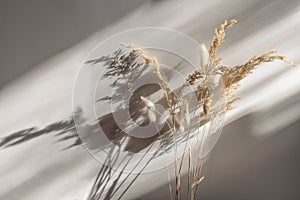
(149, 104)
(204, 55)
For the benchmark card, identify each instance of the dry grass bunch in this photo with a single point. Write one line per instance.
(210, 65)
(208, 76)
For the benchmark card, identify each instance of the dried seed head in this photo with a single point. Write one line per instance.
(216, 79)
(233, 75)
(149, 104)
(204, 55)
(219, 38)
(151, 116)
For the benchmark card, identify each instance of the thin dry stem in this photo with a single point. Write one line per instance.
(189, 174)
(197, 182)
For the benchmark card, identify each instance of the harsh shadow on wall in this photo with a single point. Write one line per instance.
(110, 183)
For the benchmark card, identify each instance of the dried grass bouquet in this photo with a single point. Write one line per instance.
(180, 124)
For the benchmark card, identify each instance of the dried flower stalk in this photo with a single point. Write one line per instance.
(231, 77)
(218, 39)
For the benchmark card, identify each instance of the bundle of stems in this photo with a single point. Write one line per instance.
(179, 112)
